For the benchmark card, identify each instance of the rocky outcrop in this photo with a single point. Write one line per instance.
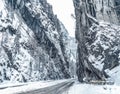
(30, 38)
(89, 13)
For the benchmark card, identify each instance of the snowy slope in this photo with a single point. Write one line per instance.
(114, 75)
(93, 89)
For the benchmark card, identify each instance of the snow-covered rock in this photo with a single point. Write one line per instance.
(30, 37)
(98, 37)
(103, 44)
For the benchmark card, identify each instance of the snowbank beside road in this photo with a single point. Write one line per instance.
(93, 89)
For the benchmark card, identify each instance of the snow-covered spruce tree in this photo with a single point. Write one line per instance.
(89, 12)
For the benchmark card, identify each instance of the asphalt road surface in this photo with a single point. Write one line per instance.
(55, 89)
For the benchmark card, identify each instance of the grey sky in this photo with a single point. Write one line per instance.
(64, 9)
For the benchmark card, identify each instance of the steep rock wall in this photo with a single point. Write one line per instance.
(30, 47)
(88, 13)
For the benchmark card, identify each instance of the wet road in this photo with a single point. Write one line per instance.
(55, 89)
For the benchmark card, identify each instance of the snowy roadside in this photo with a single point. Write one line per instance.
(78, 88)
(18, 88)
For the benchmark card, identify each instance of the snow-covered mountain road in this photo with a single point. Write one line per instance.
(55, 89)
(45, 87)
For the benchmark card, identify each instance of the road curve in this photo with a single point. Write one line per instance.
(55, 89)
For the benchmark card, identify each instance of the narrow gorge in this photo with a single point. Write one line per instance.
(35, 45)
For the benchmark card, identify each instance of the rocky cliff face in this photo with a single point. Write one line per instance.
(117, 8)
(98, 43)
(31, 42)
(106, 10)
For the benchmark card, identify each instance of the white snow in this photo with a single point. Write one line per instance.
(114, 74)
(3, 11)
(78, 88)
(1, 6)
(97, 61)
(28, 86)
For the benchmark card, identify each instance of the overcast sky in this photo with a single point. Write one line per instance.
(64, 9)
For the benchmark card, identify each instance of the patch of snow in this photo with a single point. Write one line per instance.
(1, 5)
(114, 74)
(97, 62)
(93, 89)
(3, 10)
